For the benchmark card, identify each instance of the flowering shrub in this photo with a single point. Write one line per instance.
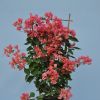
(50, 59)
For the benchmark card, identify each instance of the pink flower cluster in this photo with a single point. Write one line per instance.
(68, 65)
(38, 52)
(49, 31)
(65, 94)
(84, 60)
(51, 73)
(25, 96)
(17, 56)
(18, 24)
(8, 50)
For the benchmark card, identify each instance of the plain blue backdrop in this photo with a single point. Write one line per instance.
(86, 16)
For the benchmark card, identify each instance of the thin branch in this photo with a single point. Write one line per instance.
(69, 21)
(61, 19)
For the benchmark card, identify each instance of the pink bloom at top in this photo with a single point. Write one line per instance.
(65, 94)
(24, 96)
(27, 24)
(49, 15)
(20, 20)
(18, 23)
(73, 33)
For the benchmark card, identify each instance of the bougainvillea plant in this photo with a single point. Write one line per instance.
(49, 60)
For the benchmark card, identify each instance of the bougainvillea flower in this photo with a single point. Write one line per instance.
(17, 56)
(84, 60)
(8, 50)
(25, 96)
(65, 94)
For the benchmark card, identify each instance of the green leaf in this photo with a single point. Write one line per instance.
(73, 39)
(35, 41)
(37, 60)
(29, 48)
(31, 65)
(71, 56)
(70, 51)
(68, 76)
(26, 43)
(27, 71)
(32, 94)
(29, 41)
(30, 78)
(40, 97)
(77, 48)
(26, 77)
(35, 72)
(32, 99)
(44, 51)
(67, 43)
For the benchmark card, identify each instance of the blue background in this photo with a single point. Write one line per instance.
(86, 16)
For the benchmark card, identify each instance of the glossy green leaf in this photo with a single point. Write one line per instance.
(29, 79)
(77, 48)
(32, 94)
(73, 39)
(27, 71)
(29, 48)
